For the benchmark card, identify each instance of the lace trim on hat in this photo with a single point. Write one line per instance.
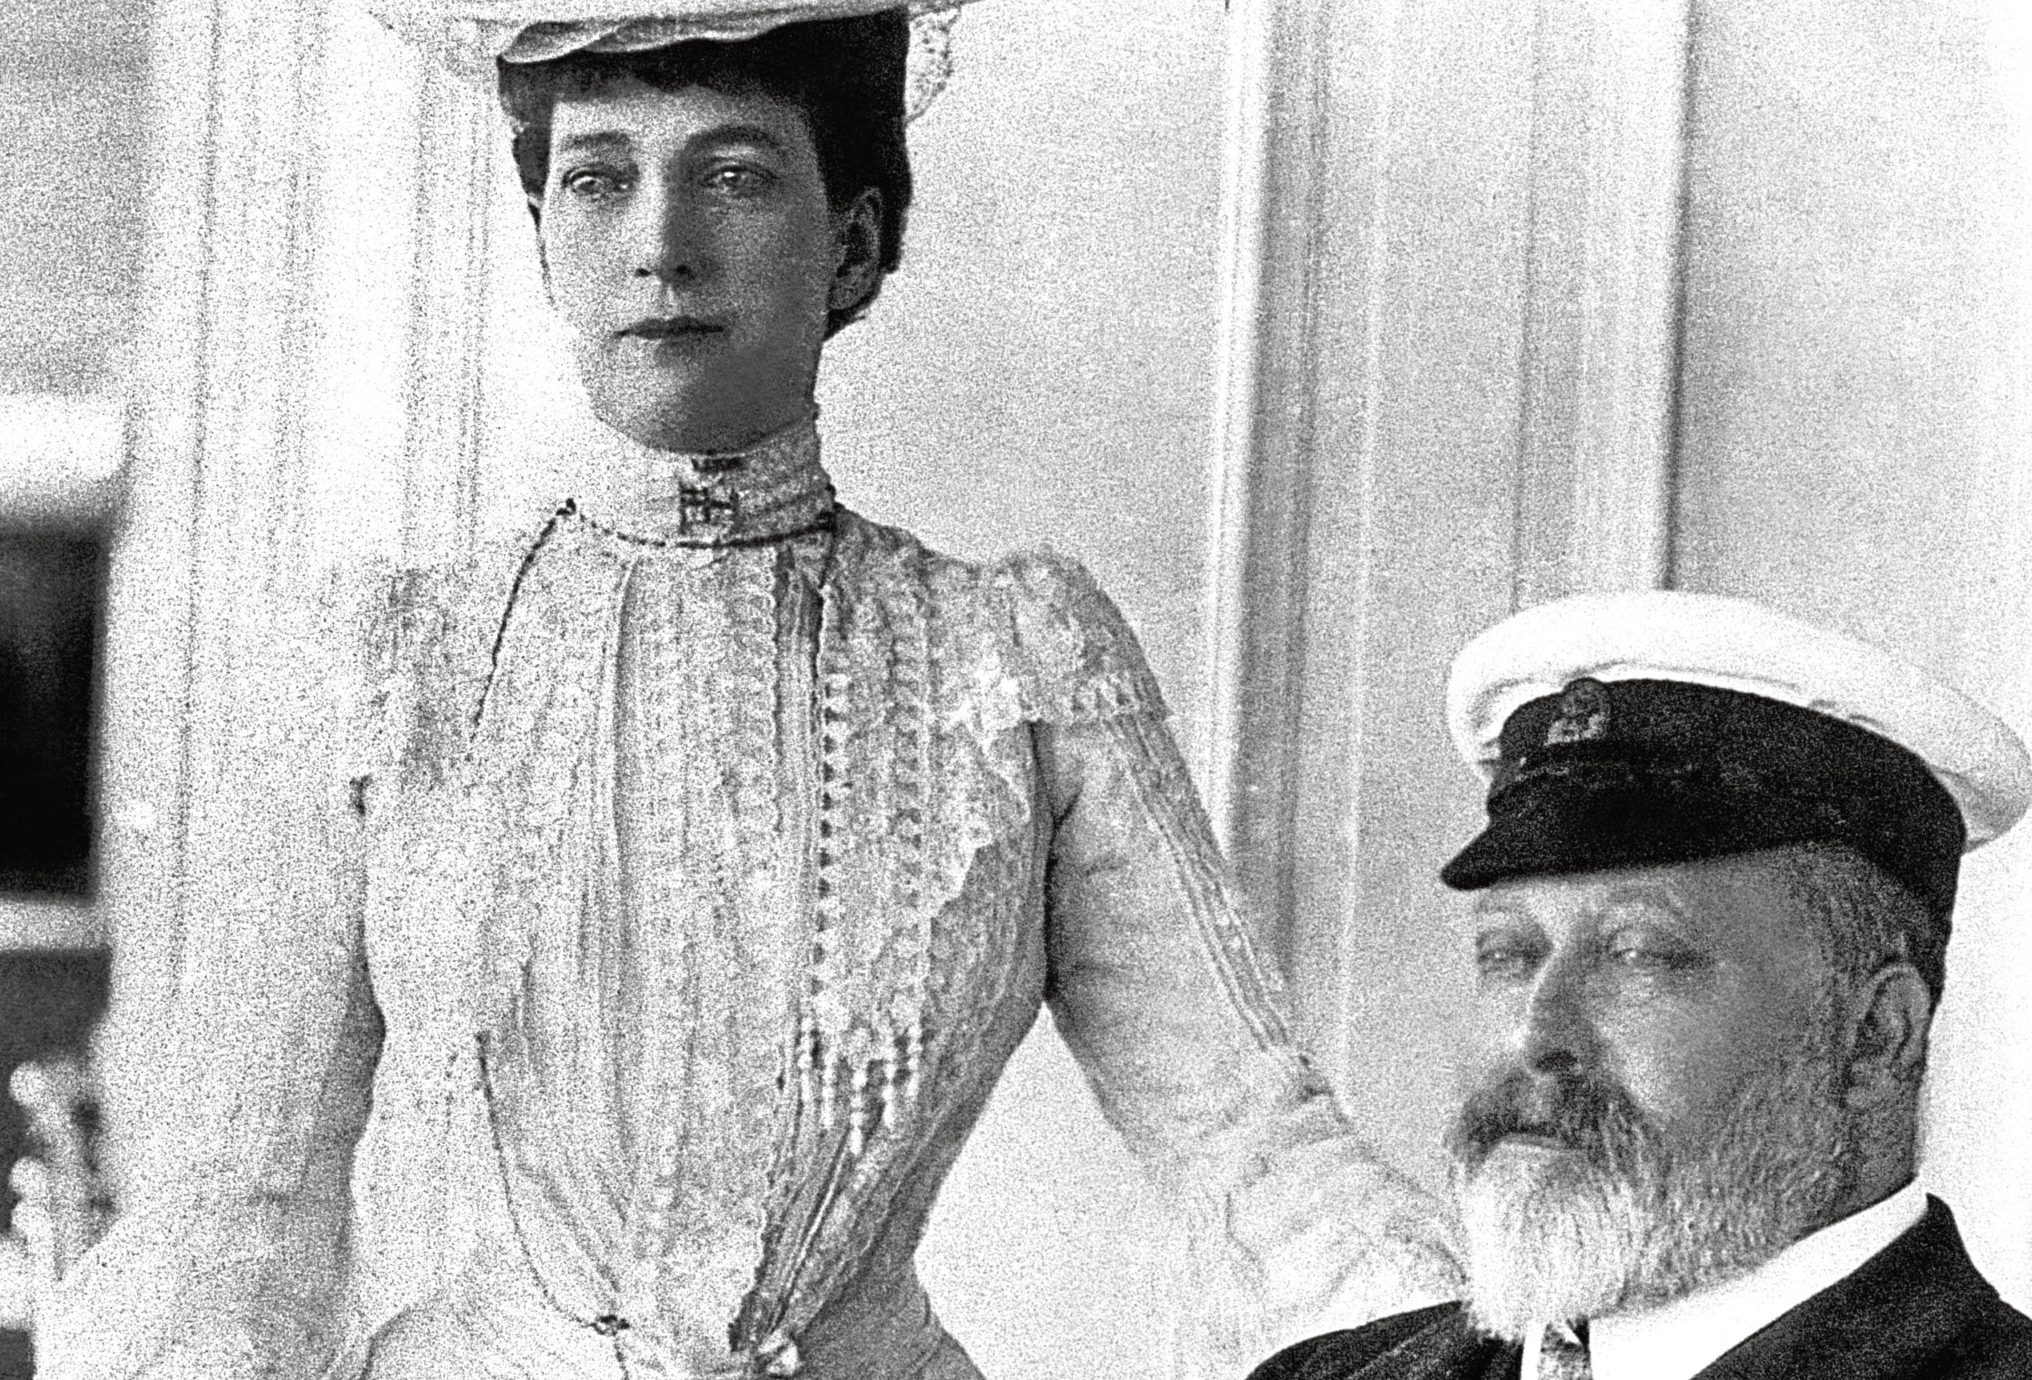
(930, 64)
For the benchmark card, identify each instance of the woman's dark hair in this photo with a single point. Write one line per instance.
(846, 75)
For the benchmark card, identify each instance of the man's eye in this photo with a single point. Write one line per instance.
(1650, 956)
(1504, 960)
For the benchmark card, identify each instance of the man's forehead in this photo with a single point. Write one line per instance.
(1585, 892)
(1749, 891)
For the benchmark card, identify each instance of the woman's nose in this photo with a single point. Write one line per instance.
(669, 241)
(1557, 1035)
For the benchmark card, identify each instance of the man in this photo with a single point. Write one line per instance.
(1709, 929)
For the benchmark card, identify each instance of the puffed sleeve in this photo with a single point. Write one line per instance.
(1162, 987)
(227, 1257)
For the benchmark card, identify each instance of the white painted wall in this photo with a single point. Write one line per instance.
(72, 161)
(1856, 434)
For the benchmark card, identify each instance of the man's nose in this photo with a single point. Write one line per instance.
(1557, 1035)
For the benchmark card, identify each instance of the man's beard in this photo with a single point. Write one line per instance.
(1624, 1218)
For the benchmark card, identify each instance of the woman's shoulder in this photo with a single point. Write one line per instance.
(1060, 642)
(391, 613)
(419, 638)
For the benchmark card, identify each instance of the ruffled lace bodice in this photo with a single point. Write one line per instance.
(637, 1060)
(717, 849)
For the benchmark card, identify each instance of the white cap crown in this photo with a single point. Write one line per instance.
(1740, 645)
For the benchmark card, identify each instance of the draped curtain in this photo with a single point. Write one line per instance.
(319, 302)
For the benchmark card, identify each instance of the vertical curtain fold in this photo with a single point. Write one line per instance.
(307, 389)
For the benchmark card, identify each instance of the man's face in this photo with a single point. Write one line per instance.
(1652, 1099)
(1676, 983)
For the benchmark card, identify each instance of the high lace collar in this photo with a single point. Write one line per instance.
(774, 489)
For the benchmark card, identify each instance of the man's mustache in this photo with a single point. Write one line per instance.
(1586, 1112)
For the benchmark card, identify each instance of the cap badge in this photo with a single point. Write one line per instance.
(1583, 714)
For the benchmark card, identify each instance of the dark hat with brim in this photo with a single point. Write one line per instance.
(1660, 727)
(1627, 773)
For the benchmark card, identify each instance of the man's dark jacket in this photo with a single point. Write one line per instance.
(1916, 1311)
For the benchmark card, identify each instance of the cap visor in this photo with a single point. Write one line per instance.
(1559, 828)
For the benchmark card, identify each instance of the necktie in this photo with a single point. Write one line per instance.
(1563, 1355)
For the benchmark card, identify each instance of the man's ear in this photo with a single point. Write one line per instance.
(857, 251)
(1889, 1018)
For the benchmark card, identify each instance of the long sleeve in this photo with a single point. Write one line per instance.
(227, 1259)
(229, 1264)
(1294, 1223)
(1163, 989)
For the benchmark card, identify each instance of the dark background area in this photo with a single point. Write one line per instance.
(51, 592)
(74, 157)
(50, 1000)
(50, 584)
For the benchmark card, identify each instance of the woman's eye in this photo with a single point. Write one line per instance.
(737, 179)
(595, 183)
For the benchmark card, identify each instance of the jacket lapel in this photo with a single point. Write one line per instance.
(1449, 1349)
(1890, 1320)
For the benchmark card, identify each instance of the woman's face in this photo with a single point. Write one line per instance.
(688, 241)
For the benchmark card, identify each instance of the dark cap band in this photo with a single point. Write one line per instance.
(1627, 773)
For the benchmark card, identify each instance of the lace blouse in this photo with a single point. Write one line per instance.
(712, 857)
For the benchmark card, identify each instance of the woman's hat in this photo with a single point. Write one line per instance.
(469, 36)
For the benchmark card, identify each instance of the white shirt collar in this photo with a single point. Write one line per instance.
(1679, 1339)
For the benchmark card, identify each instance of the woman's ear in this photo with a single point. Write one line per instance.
(1889, 1017)
(857, 251)
(542, 248)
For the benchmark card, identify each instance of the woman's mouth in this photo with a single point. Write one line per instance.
(657, 329)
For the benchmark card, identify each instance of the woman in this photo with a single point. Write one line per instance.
(716, 851)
